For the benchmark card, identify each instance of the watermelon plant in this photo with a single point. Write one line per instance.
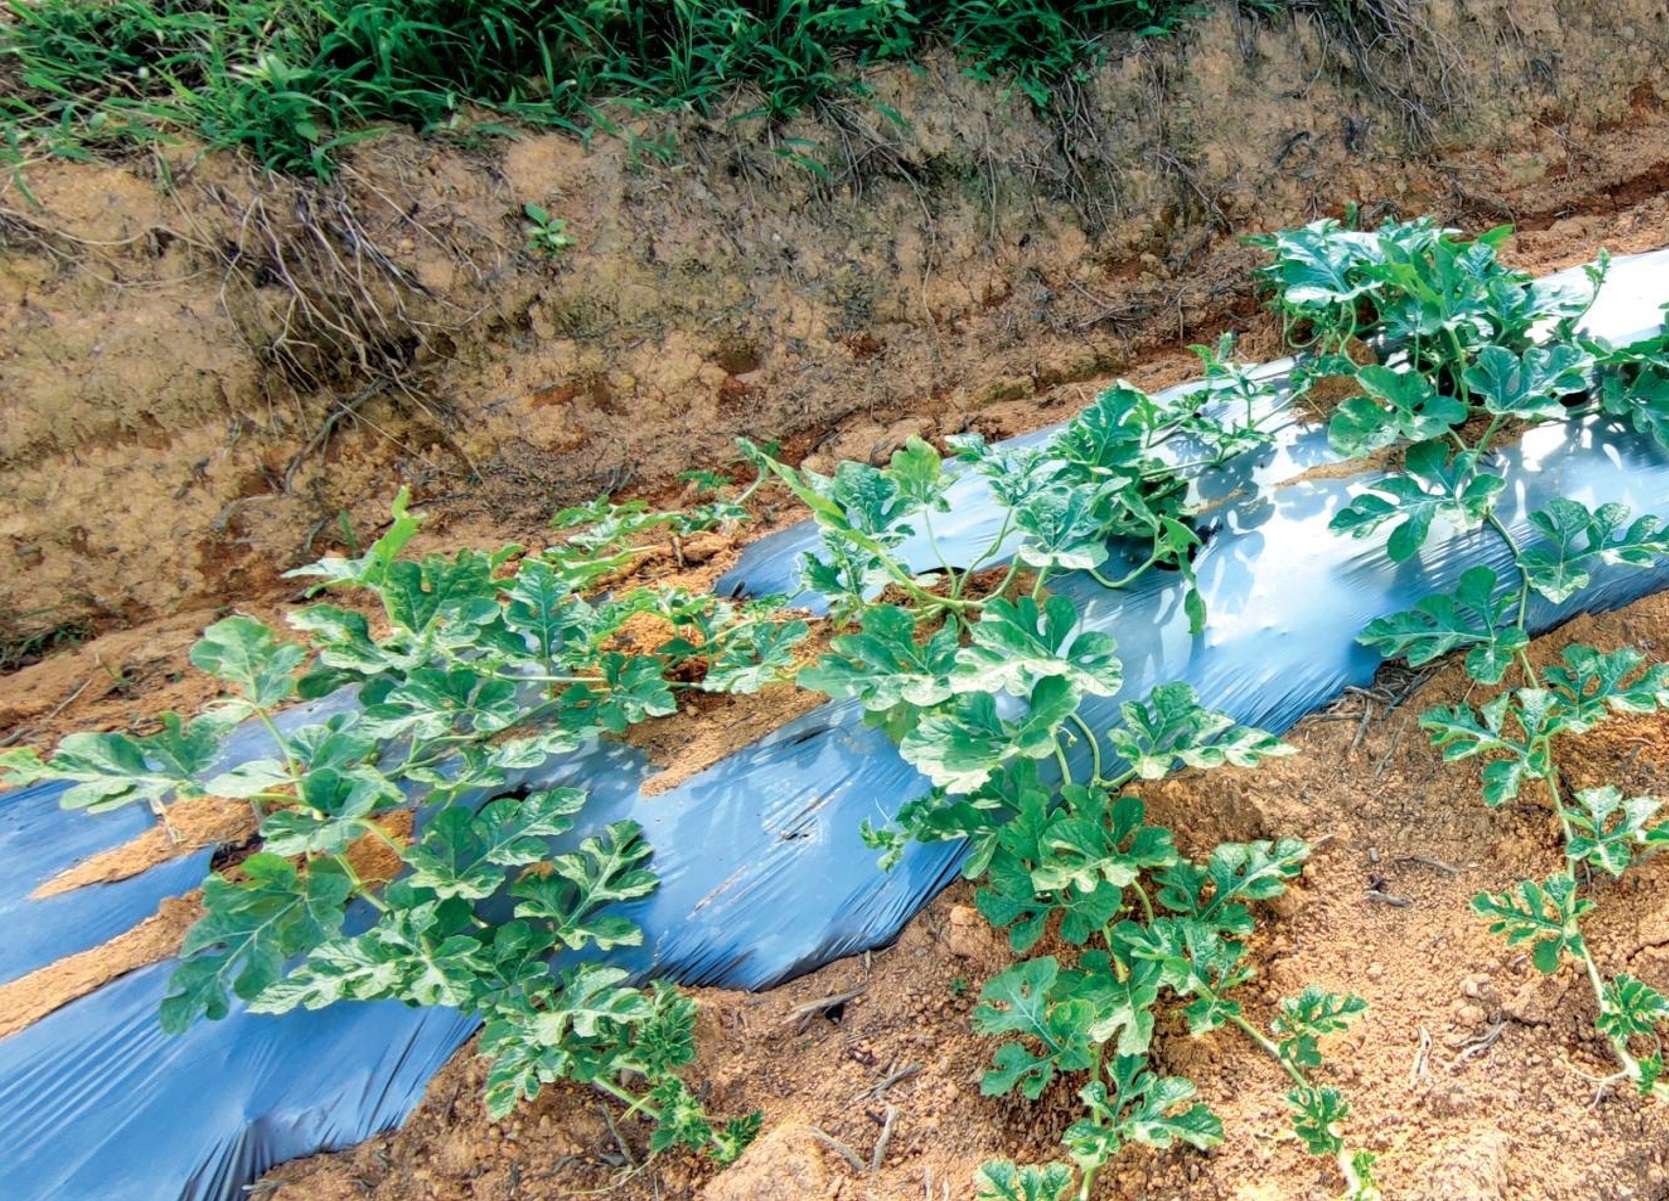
(979, 672)
(471, 673)
(1479, 351)
(1450, 352)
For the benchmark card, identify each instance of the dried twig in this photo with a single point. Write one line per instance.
(835, 1144)
(1482, 1043)
(881, 1142)
(1390, 753)
(876, 1091)
(1427, 861)
(625, 1150)
(1422, 1056)
(800, 1013)
(21, 732)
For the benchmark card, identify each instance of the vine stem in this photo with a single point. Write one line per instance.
(619, 1093)
(1458, 363)
(1500, 527)
(1013, 570)
(1094, 746)
(1128, 775)
(523, 678)
(987, 554)
(634, 1104)
(1127, 580)
(926, 599)
(1490, 431)
(1631, 1066)
(939, 554)
(1086, 1181)
(360, 888)
(1268, 1047)
(1147, 905)
(376, 831)
(278, 741)
(759, 481)
(1060, 758)
(882, 553)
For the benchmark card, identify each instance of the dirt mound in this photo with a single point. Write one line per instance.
(207, 376)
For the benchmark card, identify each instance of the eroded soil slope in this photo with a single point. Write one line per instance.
(207, 376)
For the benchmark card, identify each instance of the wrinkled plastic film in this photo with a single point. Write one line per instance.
(97, 1102)
(37, 842)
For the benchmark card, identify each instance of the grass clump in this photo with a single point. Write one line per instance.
(291, 81)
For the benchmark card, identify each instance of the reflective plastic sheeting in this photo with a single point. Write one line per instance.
(38, 840)
(1627, 309)
(99, 1103)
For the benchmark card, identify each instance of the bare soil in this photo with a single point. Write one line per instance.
(207, 377)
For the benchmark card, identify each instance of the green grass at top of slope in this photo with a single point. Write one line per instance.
(291, 81)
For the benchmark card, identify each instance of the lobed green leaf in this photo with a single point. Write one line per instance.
(1529, 385)
(468, 855)
(1000, 1180)
(1630, 1008)
(604, 871)
(1016, 644)
(1307, 1017)
(247, 655)
(959, 748)
(249, 928)
(1477, 615)
(1579, 538)
(1545, 914)
(1398, 406)
(1609, 829)
(1432, 486)
(107, 771)
(1317, 1114)
(1020, 1002)
(1171, 729)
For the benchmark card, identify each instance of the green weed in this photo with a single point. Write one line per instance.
(24, 642)
(547, 236)
(292, 81)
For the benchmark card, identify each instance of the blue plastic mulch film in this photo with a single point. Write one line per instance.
(764, 874)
